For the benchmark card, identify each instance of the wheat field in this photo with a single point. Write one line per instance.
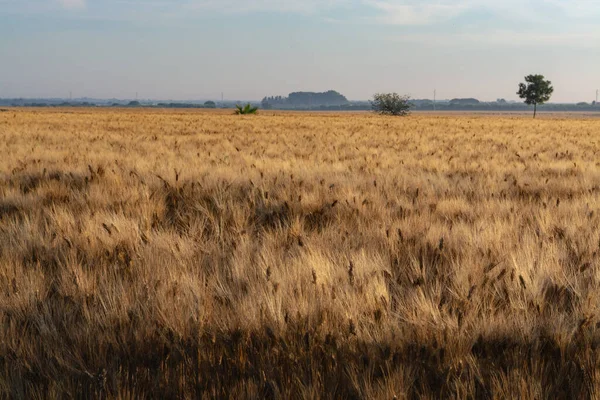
(170, 254)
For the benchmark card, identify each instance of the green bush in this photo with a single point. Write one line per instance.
(391, 104)
(247, 109)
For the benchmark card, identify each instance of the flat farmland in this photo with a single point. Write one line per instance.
(287, 255)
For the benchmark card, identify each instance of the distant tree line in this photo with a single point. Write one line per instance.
(305, 100)
(105, 103)
(208, 104)
(464, 102)
(417, 105)
(535, 92)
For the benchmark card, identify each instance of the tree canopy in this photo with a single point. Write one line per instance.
(391, 104)
(536, 90)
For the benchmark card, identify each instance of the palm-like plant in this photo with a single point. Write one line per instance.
(247, 109)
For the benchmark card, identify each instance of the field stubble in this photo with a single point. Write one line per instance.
(186, 254)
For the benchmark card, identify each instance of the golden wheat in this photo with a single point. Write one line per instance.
(205, 255)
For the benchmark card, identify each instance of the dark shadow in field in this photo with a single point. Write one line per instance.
(241, 364)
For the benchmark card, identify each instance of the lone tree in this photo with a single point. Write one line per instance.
(537, 91)
(391, 104)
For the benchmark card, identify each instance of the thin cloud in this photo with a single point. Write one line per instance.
(72, 4)
(586, 39)
(391, 12)
(281, 6)
(417, 13)
(426, 12)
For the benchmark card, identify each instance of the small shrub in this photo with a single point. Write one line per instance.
(391, 104)
(247, 109)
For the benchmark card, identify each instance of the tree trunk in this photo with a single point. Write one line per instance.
(534, 109)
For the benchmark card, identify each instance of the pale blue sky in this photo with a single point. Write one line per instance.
(195, 49)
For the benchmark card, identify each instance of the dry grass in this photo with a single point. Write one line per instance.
(186, 254)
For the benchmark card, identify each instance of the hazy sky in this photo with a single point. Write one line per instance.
(195, 49)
